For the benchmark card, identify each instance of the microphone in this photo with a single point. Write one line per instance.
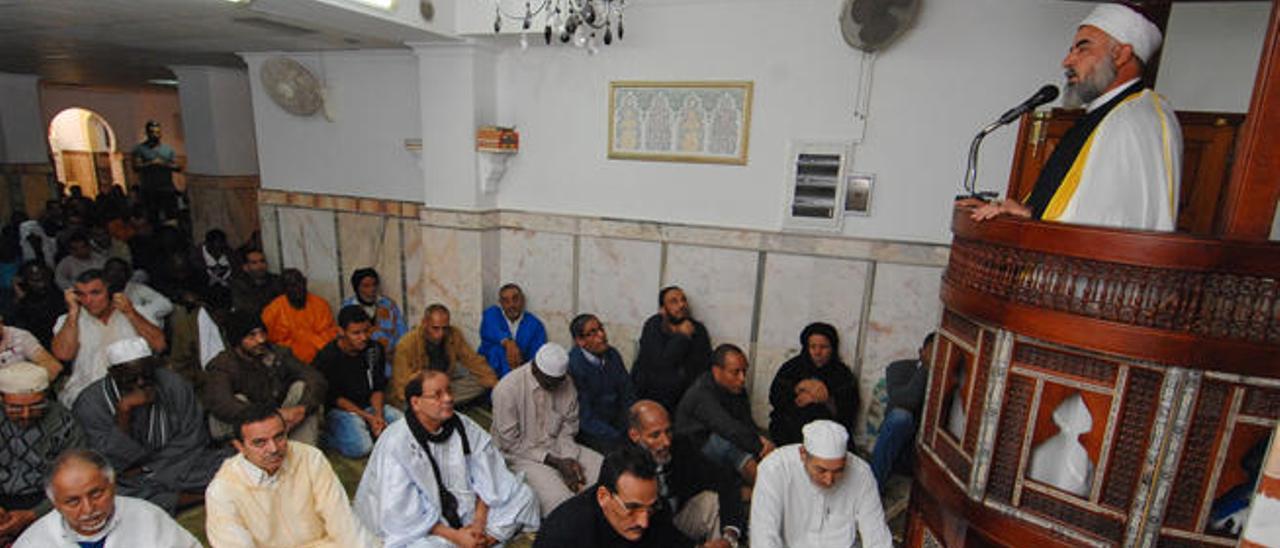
(1045, 94)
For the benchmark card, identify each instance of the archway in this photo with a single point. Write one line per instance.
(84, 150)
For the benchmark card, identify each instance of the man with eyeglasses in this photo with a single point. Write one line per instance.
(622, 510)
(147, 422)
(604, 386)
(34, 430)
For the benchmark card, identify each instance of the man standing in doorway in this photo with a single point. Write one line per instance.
(155, 163)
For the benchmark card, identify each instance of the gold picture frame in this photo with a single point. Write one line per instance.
(701, 122)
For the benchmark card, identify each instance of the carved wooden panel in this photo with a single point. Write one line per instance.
(1076, 365)
(1131, 437)
(1008, 445)
(980, 376)
(953, 460)
(1262, 402)
(1074, 516)
(1197, 456)
(962, 328)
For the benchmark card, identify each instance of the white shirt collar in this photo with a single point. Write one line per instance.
(1102, 99)
(258, 476)
(513, 325)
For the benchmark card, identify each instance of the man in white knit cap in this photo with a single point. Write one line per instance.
(817, 494)
(535, 416)
(1120, 164)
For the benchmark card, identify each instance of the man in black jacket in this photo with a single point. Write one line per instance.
(674, 350)
(906, 381)
(714, 416)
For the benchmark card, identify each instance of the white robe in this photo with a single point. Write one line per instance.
(787, 509)
(136, 523)
(398, 500)
(1132, 169)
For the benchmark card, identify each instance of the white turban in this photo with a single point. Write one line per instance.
(23, 378)
(1126, 27)
(552, 360)
(825, 439)
(127, 350)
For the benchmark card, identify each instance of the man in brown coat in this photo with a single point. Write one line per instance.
(434, 344)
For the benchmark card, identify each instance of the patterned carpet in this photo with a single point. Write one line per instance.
(350, 470)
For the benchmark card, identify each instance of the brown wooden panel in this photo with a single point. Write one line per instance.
(982, 371)
(1254, 187)
(1197, 455)
(1091, 523)
(961, 327)
(1009, 434)
(1068, 363)
(1133, 432)
(1261, 402)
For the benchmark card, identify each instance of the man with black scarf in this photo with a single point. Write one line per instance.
(437, 476)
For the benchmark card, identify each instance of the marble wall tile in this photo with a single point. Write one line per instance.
(799, 290)
(371, 241)
(491, 266)
(904, 307)
(710, 236)
(415, 268)
(721, 286)
(451, 275)
(539, 222)
(268, 218)
(542, 264)
(615, 228)
(618, 281)
(308, 243)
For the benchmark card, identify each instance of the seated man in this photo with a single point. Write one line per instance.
(813, 385)
(253, 371)
(19, 345)
(622, 510)
(714, 416)
(535, 416)
(699, 497)
(82, 489)
(604, 387)
(906, 382)
(253, 287)
(509, 335)
(462, 495)
(80, 258)
(298, 319)
(352, 366)
(145, 419)
(388, 323)
(151, 303)
(194, 340)
(817, 494)
(674, 351)
(40, 303)
(95, 318)
(33, 432)
(276, 493)
(214, 258)
(438, 346)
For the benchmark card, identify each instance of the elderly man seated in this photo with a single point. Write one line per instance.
(714, 416)
(276, 493)
(604, 387)
(435, 344)
(253, 371)
(299, 319)
(147, 422)
(817, 494)
(463, 494)
(509, 334)
(535, 417)
(82, 488)
(33, 431)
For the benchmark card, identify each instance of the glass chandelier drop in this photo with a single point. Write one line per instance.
(581, 23)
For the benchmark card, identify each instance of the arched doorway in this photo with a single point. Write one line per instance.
(85, 152)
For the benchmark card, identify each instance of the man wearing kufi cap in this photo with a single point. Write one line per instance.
(535, 417)
(34, 430)
(1120, 164)
(817, 494)
(146, 421)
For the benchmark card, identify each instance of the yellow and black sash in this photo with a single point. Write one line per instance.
(1065, 158)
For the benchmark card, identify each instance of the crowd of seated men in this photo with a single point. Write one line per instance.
(143, 374)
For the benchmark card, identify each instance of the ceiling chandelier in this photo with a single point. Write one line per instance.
(578, 22)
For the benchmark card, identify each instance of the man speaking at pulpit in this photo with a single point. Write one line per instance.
(1120, 164)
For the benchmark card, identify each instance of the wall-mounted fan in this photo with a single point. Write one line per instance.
(871, 25)
(292, 86)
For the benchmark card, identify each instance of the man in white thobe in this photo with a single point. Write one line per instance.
(435, 479)
(1120, 164)
(82, 489)
(817, 494)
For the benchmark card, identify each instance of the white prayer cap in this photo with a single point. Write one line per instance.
(825, 439)
(552, 360)
(23, 378)
(1126, 27)
(127, 350)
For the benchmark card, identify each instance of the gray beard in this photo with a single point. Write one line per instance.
(1090, 86)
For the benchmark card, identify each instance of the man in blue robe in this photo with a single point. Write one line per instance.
(509, 336)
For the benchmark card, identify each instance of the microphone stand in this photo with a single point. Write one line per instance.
(971, 174)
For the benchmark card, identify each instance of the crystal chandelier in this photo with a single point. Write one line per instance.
(578, 22)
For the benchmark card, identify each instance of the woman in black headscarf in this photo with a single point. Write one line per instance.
(813, 385)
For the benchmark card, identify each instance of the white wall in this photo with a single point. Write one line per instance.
(218, 114)
(22, 135)
(125, 110)
(1211, 58)
(373, 97)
